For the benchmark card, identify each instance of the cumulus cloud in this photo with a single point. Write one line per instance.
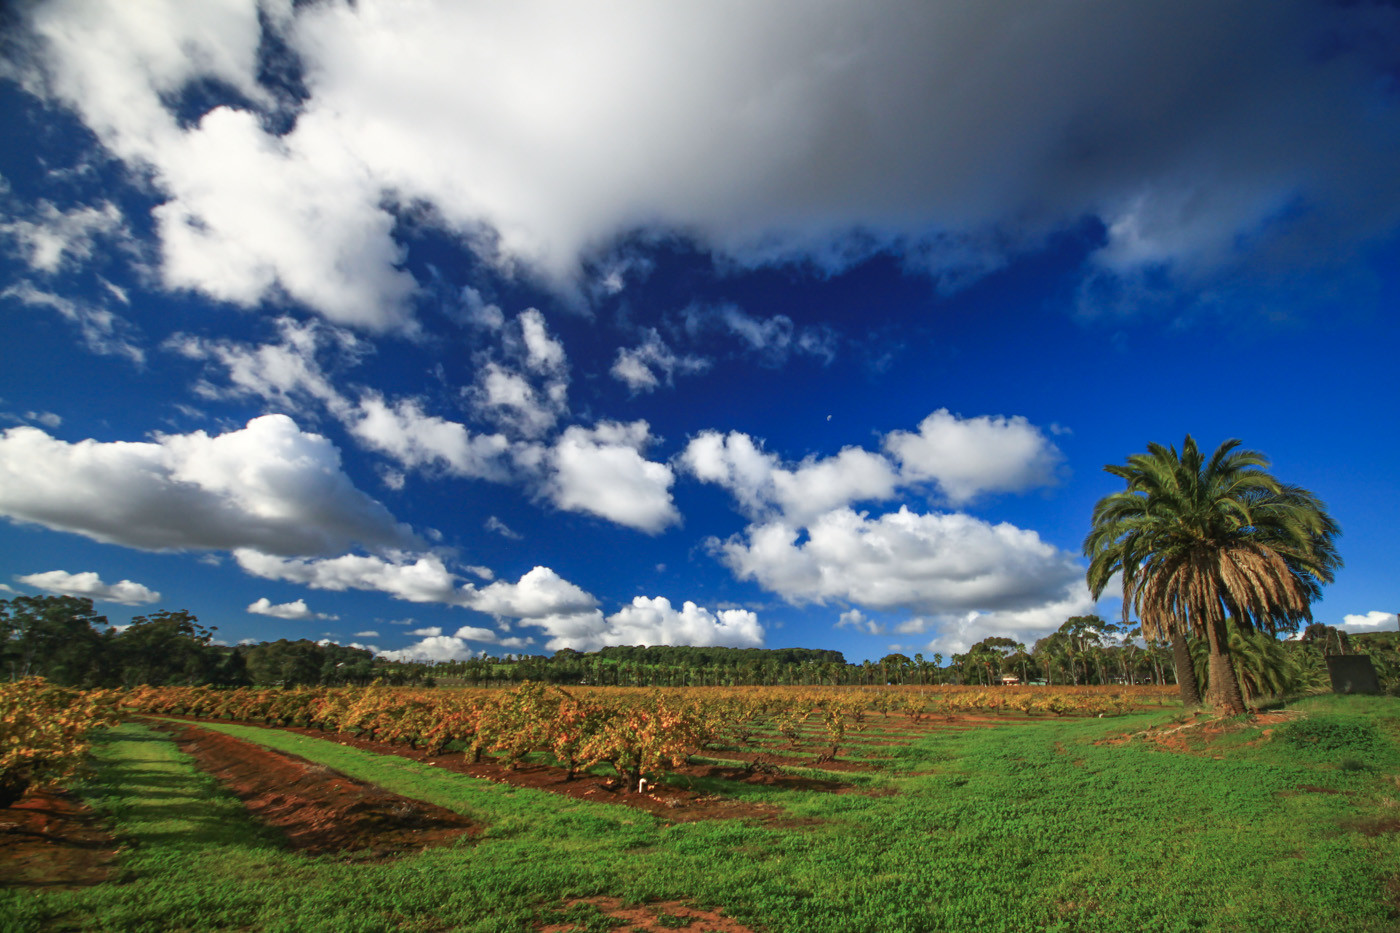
(538, 593)
(570, 617)
(543, 353)
(284, 373)
(54, 236)
(655, 622)
(418, 440)
(102, 331)
(964, 457)
(931, 563)
(855, 619)
(762, 485)
(601, 471)
(1374, 621)
(529, 391)
(508, 398)
(91, 586)
(268, 486)
(414, 578)
(289, 372)
(436, 649)
(293, 611)
(967, 457)
(649, 364)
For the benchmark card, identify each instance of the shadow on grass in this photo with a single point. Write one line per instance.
(155, 797)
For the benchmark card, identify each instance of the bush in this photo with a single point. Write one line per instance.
(43, 732)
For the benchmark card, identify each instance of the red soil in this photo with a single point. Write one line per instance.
(318, 810)
(49, 840)
(672, 803)
(653, 918)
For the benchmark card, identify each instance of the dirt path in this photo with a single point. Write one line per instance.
(52, 841)
(318, 810)
(671, 803)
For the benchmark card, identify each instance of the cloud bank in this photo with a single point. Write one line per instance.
(765, 132)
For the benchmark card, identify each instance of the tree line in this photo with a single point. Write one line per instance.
(62, 639)
(65, 641)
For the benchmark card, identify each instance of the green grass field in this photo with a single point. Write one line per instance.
(1024, 827)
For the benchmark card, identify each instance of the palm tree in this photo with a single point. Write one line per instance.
(1198, 541)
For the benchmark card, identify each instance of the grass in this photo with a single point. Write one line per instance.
(1033, 826)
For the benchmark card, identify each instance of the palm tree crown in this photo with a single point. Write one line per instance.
(1198, 541)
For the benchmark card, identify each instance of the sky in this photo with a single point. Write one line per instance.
(447, 328)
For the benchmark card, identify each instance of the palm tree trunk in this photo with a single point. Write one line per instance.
(1224, 689)
(1185, 672)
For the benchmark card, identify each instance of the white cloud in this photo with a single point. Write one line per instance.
(655, 622)
(529, 396)
(47, 418)
(430, 632)
(435, 649)
(773, 340)
(369, 634)
(293, 611)
(419, 440)
(414, 578)
(55, 235)
(508, 398)
(570, 617)
(966, 457)
(477, 311)
(90, 585)
(854, 618)
(601, 471)
(282, 373)
(103, 332)
(955, 633)
(647, 365)
(762, 485)
(540, 132)
(971, 456)
(268, 486)
(1374, 621)
(501, 528)
(540, 592)
(289, 371)
(923, 563)
(543, 353)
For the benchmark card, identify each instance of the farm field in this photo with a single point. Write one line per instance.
(957, 818)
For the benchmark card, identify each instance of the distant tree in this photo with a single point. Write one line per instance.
(166, 648)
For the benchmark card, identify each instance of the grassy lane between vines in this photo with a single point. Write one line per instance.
(1045, 825)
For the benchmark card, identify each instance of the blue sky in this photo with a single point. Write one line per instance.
(448, 328)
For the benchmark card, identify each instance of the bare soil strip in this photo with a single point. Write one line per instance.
(51, 841)
(653, 918)
(318, 810)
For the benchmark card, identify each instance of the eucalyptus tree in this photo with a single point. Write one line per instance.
(1199, 540)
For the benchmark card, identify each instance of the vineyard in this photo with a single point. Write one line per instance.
(44, 732)
(635, 732)
(541, 809)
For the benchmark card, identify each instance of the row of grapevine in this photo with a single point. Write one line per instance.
(637, 732)
(636, 735)
(44, 732)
